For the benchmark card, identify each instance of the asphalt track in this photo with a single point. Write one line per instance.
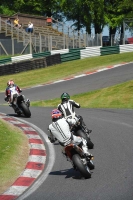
(112, 179)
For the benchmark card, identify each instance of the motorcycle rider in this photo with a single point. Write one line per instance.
(59, 130)
(10, 87)
(67, 108)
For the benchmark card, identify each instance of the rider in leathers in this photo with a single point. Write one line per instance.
(59, 130)
(11, 86)
(67, 108)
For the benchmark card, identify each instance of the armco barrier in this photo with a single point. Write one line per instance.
(43, 54)
(70, 56)
(126, 48)
(74, 50)
(90, 52)
(21, 58)
(61, 51)
(5, 60)
(44, 59)
(109, 50)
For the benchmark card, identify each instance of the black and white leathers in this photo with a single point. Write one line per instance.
(67, 108)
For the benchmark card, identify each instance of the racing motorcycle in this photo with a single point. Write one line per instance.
(79, 160)
(19, 104)
(79, 130)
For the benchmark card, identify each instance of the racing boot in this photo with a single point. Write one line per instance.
(83, 124)
(85, 128)
(83, 145)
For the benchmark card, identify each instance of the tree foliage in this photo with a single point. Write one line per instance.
(84, 14)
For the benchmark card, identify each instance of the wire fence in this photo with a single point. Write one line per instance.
(17, 41)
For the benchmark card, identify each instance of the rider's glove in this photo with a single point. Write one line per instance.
(52, 140)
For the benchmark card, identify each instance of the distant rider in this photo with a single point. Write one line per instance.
(67, 108)
(10, 88)
(60, 130)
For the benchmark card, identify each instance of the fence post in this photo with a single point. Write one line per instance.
(57, 24)
(68, 37)
(30, 44)
(50, 42)
(64, 41)
(73, 39)
(79, 39)
(101, 40)
(12, 46)
(35, 44)
(62, 27)
(123, 32)
(84, 36)
(40, 41)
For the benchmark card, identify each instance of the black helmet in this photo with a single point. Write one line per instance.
(65, 96)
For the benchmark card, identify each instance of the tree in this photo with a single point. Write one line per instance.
(96, 8)
(115, 12)
(40, 7)
(84, 14)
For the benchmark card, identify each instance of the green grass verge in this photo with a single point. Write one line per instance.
(118, 96)
(67, 69)
(13, 154)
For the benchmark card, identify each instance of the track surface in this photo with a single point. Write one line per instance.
(112, 135)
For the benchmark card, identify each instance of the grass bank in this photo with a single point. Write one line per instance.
(118, 96)
(14, 151)
(57, 72)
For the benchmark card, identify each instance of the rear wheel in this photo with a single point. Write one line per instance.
(83, 169)
(25, 109)
(83, 135)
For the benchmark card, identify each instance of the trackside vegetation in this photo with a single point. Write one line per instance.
(64, 70)
(118, 96)
(14, 151)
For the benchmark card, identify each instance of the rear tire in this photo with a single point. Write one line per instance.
(83, 135)
(25, 109)
(84, 170)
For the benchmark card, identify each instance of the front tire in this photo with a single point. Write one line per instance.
(83, 169)
(25, 109)
(83, 135)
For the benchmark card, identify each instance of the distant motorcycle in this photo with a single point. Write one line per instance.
(79, 130)
(19, 104)
(79, 160)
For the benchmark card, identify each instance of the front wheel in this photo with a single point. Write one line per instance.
(83, 169)
(83, 135)
(25, 109)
